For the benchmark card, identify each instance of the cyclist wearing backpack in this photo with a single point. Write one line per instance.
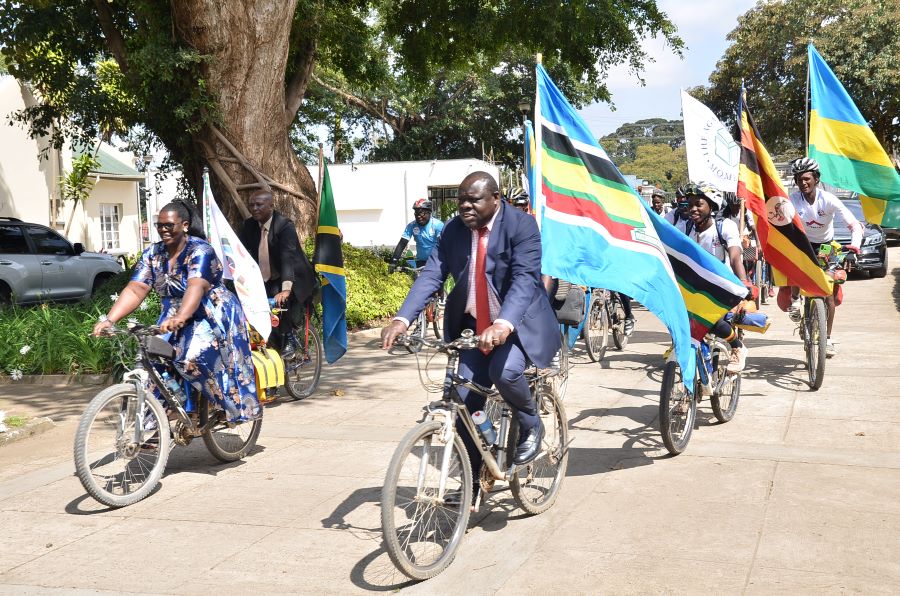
(678, 216)
(720, 238)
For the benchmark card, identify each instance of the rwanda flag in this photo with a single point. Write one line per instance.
(595, 231)
(781, 234)
(329, 262)
(847, 150)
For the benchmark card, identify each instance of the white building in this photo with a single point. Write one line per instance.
(374, 200)
(29, 185)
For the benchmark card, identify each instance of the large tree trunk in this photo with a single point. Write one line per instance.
(247, 43)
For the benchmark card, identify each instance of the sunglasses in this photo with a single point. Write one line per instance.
(167, 226)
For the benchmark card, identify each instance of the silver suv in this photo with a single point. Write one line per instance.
(37, 264)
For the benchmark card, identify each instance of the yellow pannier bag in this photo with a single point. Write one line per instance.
(269, 368)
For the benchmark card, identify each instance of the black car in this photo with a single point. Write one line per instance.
(873, 257)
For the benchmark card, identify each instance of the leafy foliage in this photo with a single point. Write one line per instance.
(659, 164)
(858, 39)
(622, 145)
(58, 335)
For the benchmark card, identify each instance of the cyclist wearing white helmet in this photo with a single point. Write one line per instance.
(720, 238)
(816, 208)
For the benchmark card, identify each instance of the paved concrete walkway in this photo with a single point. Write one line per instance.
(798, 494)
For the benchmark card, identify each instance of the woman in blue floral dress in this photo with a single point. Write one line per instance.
(207, 325)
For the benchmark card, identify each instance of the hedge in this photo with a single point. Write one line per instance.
(55, 338)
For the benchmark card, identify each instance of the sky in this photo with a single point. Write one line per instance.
(703, 25)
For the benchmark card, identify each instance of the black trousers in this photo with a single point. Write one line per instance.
(287, 318)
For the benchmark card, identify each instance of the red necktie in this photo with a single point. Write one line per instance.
(482, 306)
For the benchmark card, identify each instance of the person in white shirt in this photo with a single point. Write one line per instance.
(721, 239)
(678, 216)
(816, 209)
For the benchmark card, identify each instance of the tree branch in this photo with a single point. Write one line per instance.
(112, 35)
(363, 105)
(224, 178)
(296, 87)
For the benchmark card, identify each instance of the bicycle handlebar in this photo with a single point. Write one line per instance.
(467, 341)
(132, 329)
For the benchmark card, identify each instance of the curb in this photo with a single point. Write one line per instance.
(57, 380)
(33, 427)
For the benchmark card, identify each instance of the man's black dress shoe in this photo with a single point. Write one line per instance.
(529, 444)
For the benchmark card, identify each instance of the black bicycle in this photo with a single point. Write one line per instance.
(124, 436)
(425, 502)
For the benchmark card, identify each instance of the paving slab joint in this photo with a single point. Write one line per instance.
(35, 426)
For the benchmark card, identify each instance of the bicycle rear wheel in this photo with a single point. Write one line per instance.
(677, 410)
(724, 400)
(227, 442)
(617, 321)
(303, 368)
(422, 531)
(560, 381)
(596, 331)
(115, 466)
(536, 485)
(815, 340)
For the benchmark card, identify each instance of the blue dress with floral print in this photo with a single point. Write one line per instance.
(212, 350)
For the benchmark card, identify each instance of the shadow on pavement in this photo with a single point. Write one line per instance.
(896, 291)
(375, 571)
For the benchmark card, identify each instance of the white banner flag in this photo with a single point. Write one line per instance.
(237, 264)
(712, 154)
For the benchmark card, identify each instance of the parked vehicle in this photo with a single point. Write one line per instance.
(873, 252)
(38, 264)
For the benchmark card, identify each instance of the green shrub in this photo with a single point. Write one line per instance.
(55, 338)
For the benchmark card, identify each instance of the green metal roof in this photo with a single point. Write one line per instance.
(111, 166)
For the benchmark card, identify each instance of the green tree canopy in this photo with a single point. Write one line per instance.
(227, 84)
(858, 39)
(659, 164)
(622, 144)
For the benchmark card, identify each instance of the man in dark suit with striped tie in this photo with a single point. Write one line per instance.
(493, 252)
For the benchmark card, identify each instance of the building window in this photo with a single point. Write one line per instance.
(109, 225)
(443, 198)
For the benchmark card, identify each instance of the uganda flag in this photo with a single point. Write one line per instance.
(328, 259)
(781, 234)
(596, 232)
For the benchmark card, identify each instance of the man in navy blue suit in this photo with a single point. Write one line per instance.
(493, 252)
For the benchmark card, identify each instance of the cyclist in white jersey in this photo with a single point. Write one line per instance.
(816, 208)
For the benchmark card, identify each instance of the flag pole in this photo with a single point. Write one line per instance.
(806, 106)
(538, 176)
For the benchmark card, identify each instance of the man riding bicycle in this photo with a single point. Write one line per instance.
(817, 208)
(720, 238)
(424, 229)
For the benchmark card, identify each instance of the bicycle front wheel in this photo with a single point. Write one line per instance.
(423, 529)
(596, 332)
(677, 410)
(560, 380)
(536, 485)
(227, 442)
(117, 465)
(724, 400)
(303, 368)
(815, 340)
(437, 318)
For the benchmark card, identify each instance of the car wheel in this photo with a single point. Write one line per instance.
(5, 294)
(101, 279)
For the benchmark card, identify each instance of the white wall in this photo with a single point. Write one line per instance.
(26, 182)
(374, 201)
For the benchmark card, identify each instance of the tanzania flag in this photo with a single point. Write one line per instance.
(847, 150)
(595, 231)
(329, 261)
(781, 235)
